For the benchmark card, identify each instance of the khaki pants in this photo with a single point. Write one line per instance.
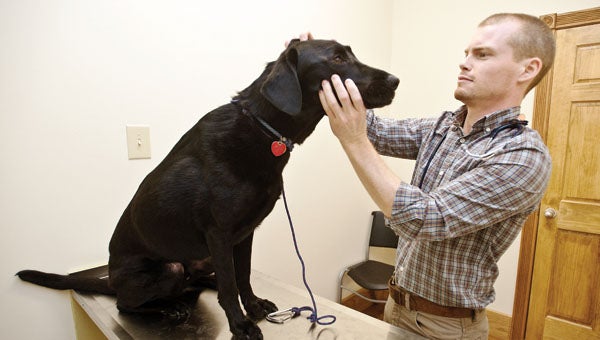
(436, 327)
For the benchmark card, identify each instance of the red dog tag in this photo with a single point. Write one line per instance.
(278, 148)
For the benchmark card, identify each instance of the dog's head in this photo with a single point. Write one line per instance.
(295, 78)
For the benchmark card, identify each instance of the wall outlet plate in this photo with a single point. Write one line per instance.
(138, 141)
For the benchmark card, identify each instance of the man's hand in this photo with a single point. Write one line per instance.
(347, 117)
(303, 37)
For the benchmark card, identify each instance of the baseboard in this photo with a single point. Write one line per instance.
(500, 324)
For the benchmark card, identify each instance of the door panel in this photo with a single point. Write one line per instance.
(565, 298)
(583, 160)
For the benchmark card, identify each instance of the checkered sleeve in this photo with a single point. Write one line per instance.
(509, 183)
(397, 138)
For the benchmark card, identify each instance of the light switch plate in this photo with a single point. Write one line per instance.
(138, 141)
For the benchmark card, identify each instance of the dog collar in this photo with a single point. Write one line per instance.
(278, 146)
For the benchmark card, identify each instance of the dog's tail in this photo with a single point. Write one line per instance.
(62, 282)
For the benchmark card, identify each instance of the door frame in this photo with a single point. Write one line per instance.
(541, 113)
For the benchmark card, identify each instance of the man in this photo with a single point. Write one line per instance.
(479, 173)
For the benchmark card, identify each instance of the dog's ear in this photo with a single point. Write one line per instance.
(282, 87)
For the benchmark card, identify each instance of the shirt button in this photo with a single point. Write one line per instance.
(462, 140)
(401, 268)
(487, 129)
(441, 172)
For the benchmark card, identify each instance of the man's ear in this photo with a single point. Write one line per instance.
(531, 68)
(282, 87)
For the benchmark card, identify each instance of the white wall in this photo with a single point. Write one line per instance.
(74, 73)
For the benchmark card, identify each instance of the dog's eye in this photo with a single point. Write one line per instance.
(338, 59)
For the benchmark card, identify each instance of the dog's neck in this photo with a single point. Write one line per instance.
(268, 130)
(295, 129)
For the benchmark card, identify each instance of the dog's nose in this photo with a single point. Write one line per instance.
(393, 81)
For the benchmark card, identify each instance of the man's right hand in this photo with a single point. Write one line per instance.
(303, 37)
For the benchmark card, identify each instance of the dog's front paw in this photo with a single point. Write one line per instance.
(259, 308)
(246, 330)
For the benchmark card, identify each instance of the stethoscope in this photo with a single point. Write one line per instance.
(513, 123)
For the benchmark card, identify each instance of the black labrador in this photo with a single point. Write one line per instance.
(191, 222)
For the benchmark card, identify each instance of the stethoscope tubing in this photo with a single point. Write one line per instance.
(519, 124)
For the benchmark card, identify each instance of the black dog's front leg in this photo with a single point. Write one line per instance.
(255, 307)
(221, 250)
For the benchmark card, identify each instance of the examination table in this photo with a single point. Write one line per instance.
(97, 317)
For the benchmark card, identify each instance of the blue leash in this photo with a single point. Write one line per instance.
(282, 316)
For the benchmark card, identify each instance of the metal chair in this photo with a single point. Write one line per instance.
(371, 274)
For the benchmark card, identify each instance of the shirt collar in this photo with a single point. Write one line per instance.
(488, 122)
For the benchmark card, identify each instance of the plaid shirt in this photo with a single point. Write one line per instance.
(475, 195)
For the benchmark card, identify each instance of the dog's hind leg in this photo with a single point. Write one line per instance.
(149, 287)
(221, 249)
(255, 307)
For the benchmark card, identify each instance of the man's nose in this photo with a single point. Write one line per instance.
(465, 65)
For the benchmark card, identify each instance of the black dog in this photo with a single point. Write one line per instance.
(192, 220)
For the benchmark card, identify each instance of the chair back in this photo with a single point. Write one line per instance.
(381, 235)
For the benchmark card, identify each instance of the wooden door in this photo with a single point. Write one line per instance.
(564, 299)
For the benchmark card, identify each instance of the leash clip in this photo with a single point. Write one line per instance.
(282, 316)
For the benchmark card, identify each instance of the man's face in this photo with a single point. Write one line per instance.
(489, 72)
